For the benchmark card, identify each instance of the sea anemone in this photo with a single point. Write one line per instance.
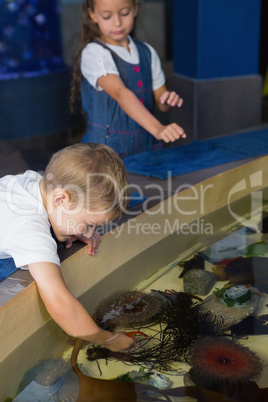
(126, 309)
(180, 326)
(220, 361)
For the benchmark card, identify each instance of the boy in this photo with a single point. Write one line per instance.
(84, 185)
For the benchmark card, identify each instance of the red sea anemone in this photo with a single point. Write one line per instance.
(217, 361)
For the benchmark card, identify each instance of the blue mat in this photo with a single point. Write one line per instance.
(7, 267)
(198, 155)
(135, 199)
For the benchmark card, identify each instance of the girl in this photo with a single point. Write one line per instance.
(120, 80)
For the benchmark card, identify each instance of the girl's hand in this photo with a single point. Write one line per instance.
(171, 133)
(171, 98)
(93, 242)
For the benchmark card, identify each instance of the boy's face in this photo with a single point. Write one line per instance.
(69, 222)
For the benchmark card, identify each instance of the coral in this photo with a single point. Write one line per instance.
(217, 305)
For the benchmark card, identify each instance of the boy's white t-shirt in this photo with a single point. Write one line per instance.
(24, 226)
(96, 61)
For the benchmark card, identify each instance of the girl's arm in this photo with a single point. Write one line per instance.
(66, 310)
(165, 100)
(128, 101)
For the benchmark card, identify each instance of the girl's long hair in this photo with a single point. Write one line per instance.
(88, 33)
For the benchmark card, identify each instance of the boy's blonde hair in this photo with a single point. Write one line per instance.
(92, 174)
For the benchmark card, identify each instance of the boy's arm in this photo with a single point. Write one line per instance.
(132, 106)
(66, 310)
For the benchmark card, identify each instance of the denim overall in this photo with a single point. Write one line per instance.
(107, 123)
(7, 268)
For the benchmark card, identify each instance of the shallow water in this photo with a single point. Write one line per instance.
(237, 240)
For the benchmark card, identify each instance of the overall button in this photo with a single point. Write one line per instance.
(139, 84)
(136, 69)
(107, 135)
(142, 100)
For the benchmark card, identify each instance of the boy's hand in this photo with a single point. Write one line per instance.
(171, 98)
(119, 342)
(93, 242)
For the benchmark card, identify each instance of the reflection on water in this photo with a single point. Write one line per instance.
(201, 333)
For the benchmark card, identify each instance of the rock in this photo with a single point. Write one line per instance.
(199, 282)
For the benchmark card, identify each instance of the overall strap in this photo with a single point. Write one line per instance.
(144, 56)
(118, 61)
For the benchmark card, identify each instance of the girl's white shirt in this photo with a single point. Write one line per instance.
(96, 61)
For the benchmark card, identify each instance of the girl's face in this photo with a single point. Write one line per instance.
(115, 19)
